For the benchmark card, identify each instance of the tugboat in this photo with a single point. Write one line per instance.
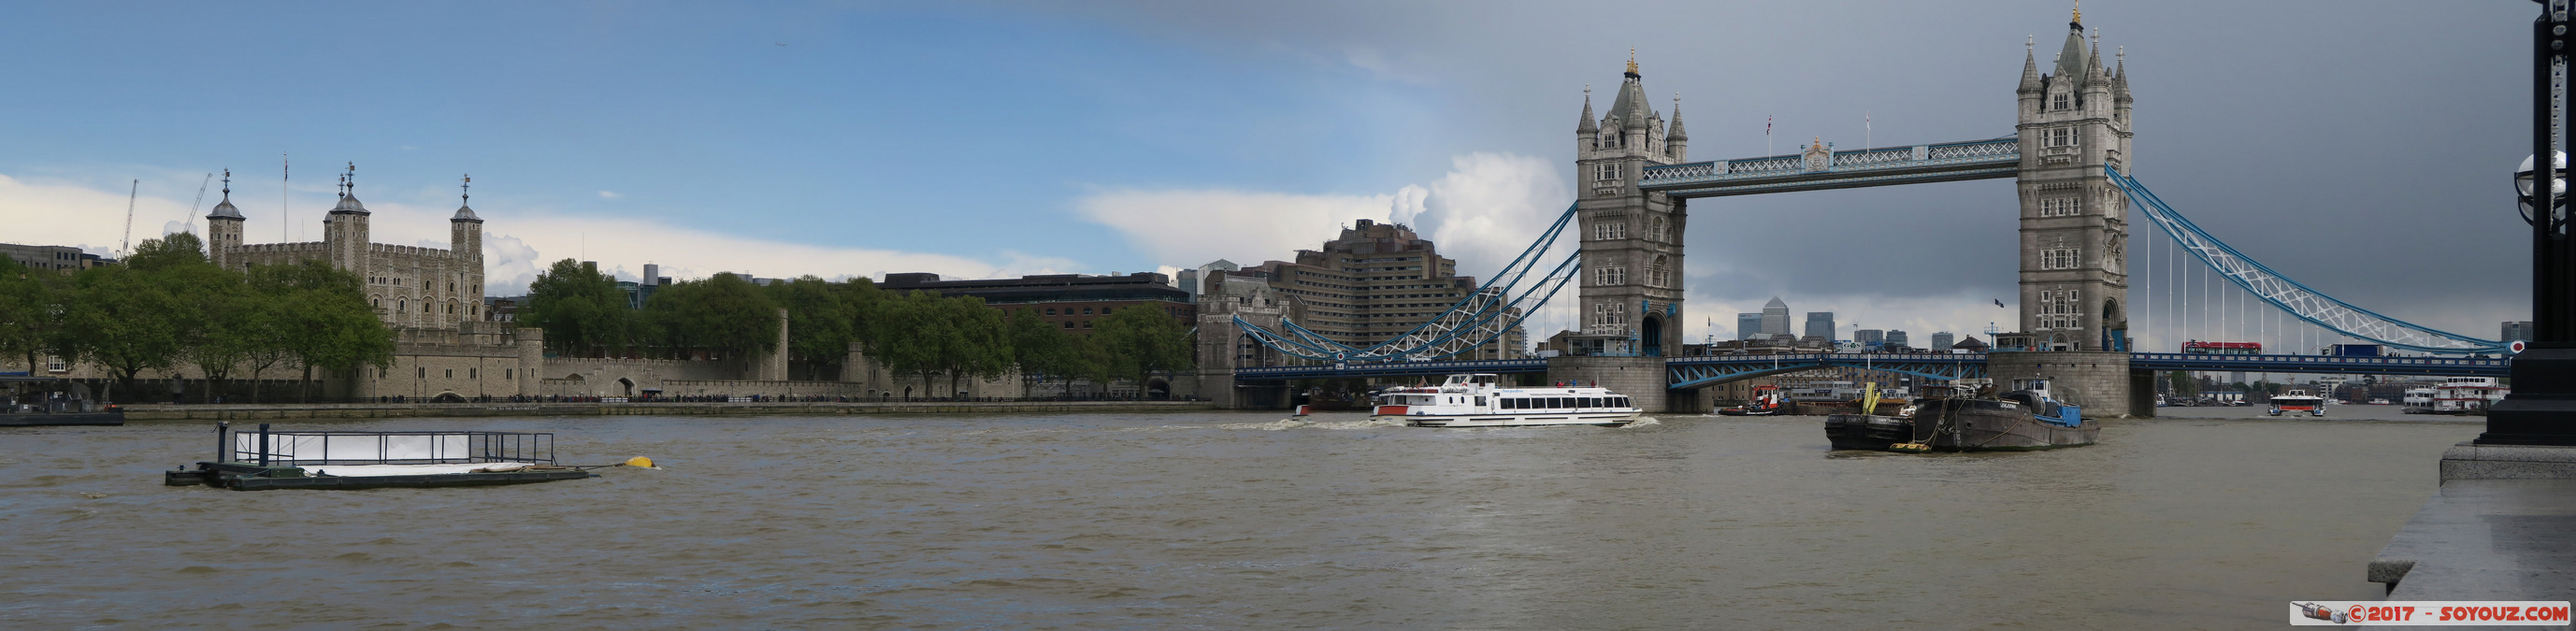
(2021, 420)
(1869, 430)
(1767, 401)
(2298, 401)
(1479, 400)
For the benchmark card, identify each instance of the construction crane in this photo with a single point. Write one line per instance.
(191, 219)
(126, 248)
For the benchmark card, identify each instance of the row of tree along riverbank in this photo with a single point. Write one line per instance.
(584, 313)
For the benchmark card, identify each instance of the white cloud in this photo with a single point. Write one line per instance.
(1186, 228)
(1483, 212)
(609, 195)
(516, 244)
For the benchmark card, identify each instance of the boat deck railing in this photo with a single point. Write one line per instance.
(299, 448)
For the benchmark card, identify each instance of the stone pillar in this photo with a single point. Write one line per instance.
(1640, 378)
(774, 368)
(2097, 380)
(854, 366)
(532, 359)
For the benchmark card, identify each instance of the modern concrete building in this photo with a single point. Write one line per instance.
(1869, 337)
(1775, 318)
(1820, 324)
(60, 258)
(2517, 331)
(1748, 326)
(1941, 341)
(1195, 280)
(1896, 338)
(1074, 302)
(1371, 283)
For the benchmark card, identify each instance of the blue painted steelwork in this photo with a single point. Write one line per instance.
(2290, 296)
(1693, 372)
(1384, 369)
(2324, 364)
(1945, 162)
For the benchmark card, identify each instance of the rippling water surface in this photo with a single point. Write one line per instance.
(1228, 520)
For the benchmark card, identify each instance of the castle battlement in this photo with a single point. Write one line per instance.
(409, 250)
(267, 248)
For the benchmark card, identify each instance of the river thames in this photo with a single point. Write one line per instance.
(1232, 520)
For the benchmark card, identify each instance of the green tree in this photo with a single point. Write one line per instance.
(119, 318)
(721, 313)
(1041, 349)
(581, 309)
(172, 250)
(217, 332)
(325, 320)
(908, 333)
(30, 311)
(975, 344)
(1142, 340)
(823, 317)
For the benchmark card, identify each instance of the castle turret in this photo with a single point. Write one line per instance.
(1587, 135)
(224, 230)
(465, 240)
(1676, 141)
(345, 229)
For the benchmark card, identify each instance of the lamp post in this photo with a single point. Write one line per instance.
(2542, 408)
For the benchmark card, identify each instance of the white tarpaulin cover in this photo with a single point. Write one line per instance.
(356, 447)
(369, 470)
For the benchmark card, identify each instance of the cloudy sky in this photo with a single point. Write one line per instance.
(2361, 147)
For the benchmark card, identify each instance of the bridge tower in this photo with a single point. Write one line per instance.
(2074, 224)
(1631, 240)
(2074, 233)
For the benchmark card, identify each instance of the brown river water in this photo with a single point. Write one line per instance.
(1231, 520)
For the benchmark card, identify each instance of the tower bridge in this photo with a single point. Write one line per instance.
(2067, 153)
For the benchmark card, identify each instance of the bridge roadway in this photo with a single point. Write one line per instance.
(1693, 372)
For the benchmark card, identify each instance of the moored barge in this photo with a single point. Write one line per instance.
(266, 459)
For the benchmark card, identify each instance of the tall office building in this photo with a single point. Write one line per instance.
(1941, 341)
(1820, 324)
(1775, 317)
(2517, 331)
(1869, 337)
(1896, 337)
(1748, 326)
(1371, 283)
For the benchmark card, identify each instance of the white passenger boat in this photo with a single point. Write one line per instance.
(2298, 402)
(1479, 400)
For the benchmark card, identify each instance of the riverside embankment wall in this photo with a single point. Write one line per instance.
(168, 412)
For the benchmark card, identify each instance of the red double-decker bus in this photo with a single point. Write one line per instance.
(2222, 348)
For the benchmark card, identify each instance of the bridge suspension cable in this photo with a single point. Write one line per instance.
(1493, 310)
(2290, 296)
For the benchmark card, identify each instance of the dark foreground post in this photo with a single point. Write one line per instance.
(263, 444)
(2541, 410)
(221, 428)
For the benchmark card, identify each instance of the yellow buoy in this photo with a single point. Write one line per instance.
(1912, 448)
(640, 461)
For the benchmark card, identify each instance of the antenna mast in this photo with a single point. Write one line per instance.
(126, 247)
